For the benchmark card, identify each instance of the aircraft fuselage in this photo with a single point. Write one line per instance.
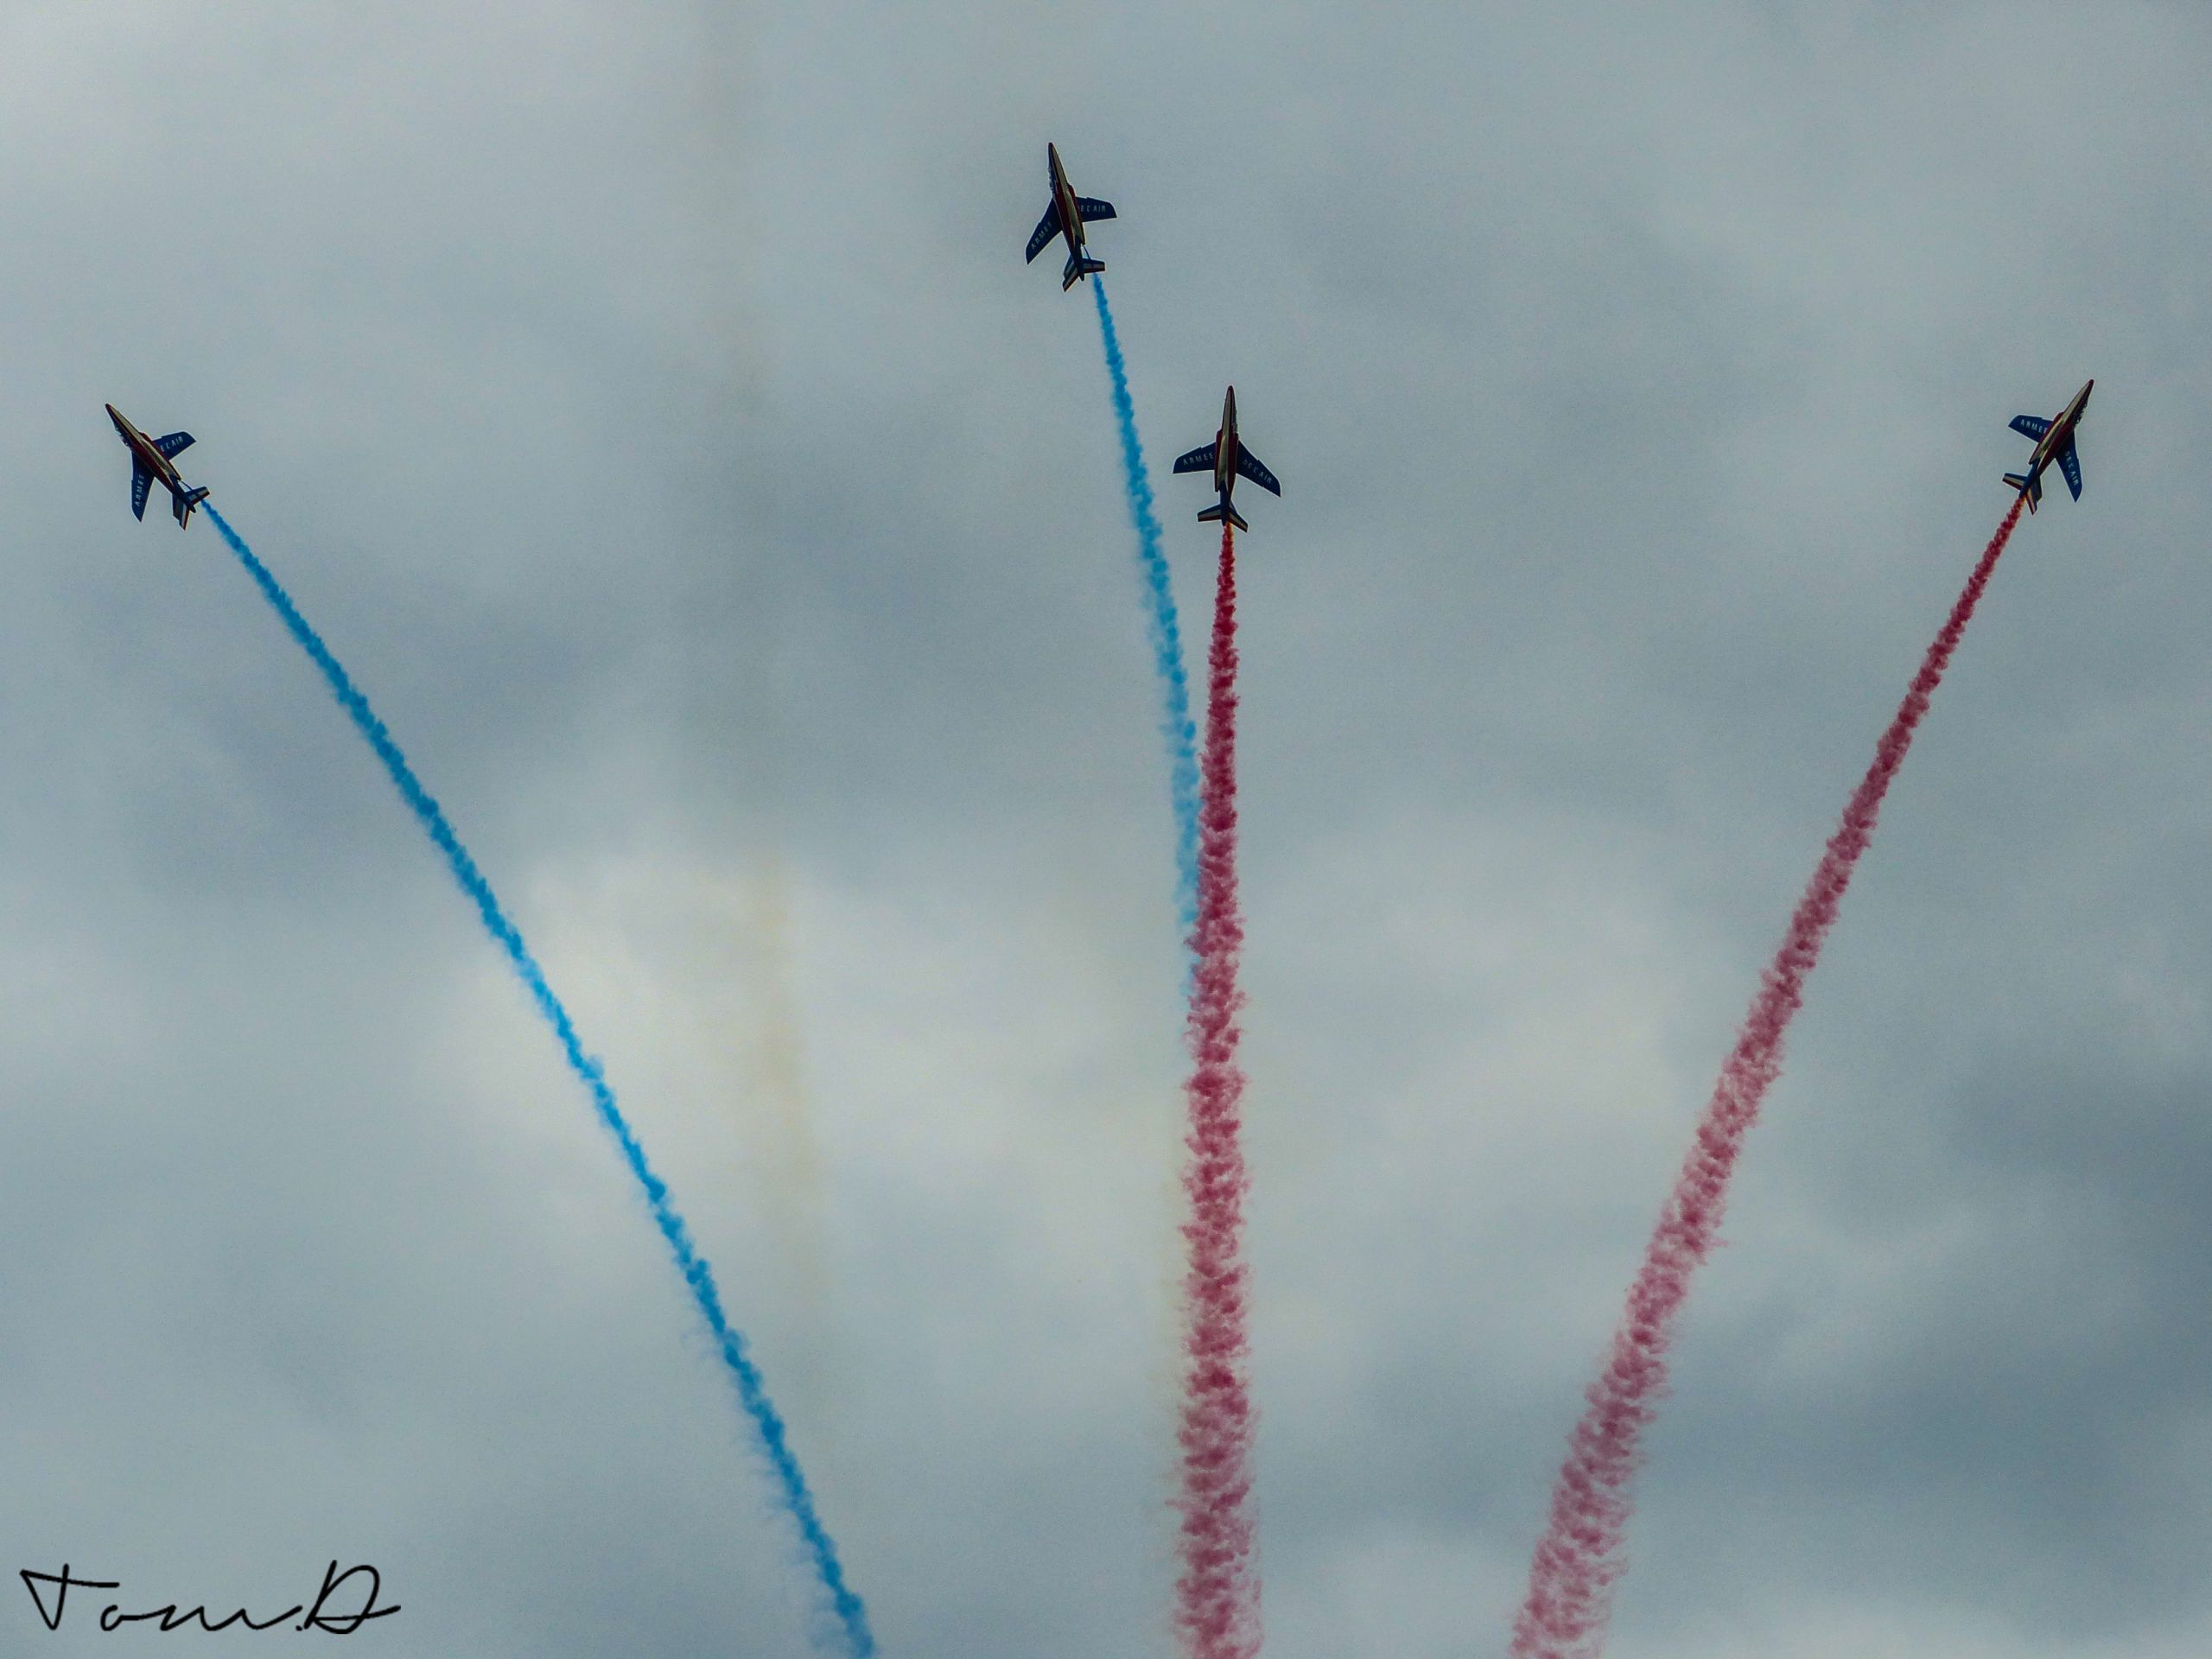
(1224, 461)
(1064, 198)
(2053, 443)
(153, 461)
(143, 452)
(1227, 459)
(1063, 221)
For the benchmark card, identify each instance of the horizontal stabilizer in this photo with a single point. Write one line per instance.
(2031, 426)
(141, 481)
(2030, 487)
(173, 445)
(2070, 464)
(1078, 267)
(185, 503)
(1249, 464)
(1215, 514)
(1047, 228)
(1089, 207)
(1199, 461)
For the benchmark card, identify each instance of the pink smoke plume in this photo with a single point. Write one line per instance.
(1576, 1564)
(1218, 1595)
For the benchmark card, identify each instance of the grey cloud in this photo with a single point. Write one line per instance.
(652, 408)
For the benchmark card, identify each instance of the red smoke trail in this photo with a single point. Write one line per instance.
(1571, 1580)
(1217, 1596)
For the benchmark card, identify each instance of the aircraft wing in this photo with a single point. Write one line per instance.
(1249, 464)
(1199, 461)
(2031, 426)
(1089, 207)
(140, 482)
(173, 445)
(2070, 464)
(1047, 228)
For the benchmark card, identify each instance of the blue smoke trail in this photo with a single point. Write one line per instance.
(1166, 634)
(752, 1391)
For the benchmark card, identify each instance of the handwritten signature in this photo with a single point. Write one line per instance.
(112, 1617)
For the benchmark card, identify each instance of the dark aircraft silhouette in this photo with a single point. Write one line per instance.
(2054, 441)
(1066, 217)
(155, 458)
(1225, 457)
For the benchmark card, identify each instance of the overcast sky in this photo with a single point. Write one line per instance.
(651, 405)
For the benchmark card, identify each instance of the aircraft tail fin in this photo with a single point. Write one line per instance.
(187, 502)
(1078, 267)
(2030, 487)
(1219, 511)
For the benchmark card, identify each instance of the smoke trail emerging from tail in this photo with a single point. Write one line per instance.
(752, 1392)
(1166, 632)
(1217, 1602)
(1571, 1580)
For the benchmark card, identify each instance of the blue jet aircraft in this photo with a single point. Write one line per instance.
(2054, 441)
(1066, 217)
(153, 458)
(1225, 457)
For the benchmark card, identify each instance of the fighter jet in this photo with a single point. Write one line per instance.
(1226, 457)
(1066, 217)
(2054, 441)
(153, 458)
